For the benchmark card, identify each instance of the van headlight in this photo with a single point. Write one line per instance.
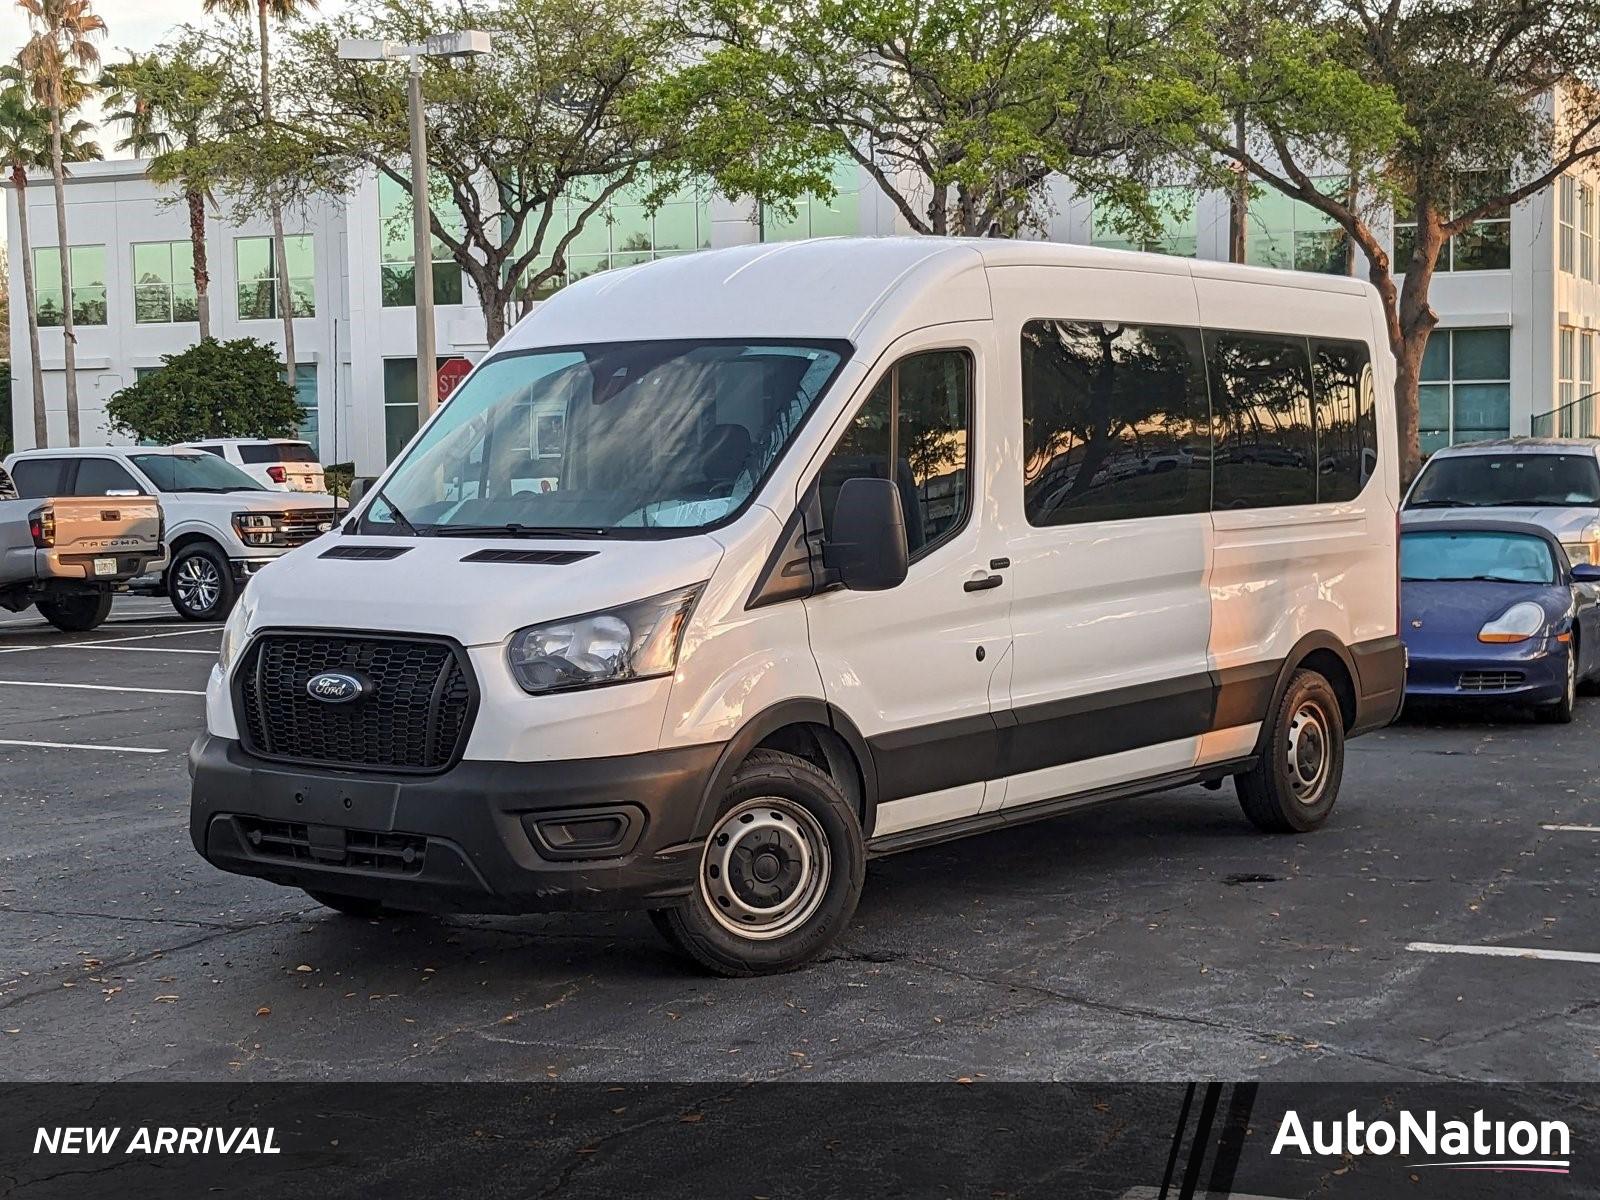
(633, 641)
(1517, 624)
(234, 634)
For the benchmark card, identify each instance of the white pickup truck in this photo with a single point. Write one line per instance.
(70, 554)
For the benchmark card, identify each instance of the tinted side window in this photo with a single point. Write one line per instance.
(1115, 422)
(101, 476)
(1347, 420)
(920, 418)
(37, 478)
(1263, 443)
(217, 450)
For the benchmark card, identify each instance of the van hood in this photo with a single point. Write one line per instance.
(430, 589)
(1566, 523)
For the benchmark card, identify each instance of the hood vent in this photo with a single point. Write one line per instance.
(545, 558)
(369, 553)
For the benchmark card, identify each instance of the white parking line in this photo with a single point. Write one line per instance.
(131, 649)
(190, 631)
(84, 746)
(96, 687)
(1572, 828)
(1580, 956)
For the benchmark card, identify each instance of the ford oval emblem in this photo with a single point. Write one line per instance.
(334, 687)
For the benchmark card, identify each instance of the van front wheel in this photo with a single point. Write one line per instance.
(780, 874)
(1293, 787)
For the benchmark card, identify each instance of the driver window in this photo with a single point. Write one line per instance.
(918, 417)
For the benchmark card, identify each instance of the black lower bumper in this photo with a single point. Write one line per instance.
(1380, 683)
(503, 837)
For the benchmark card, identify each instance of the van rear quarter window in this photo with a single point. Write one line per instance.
(1264, 445)
(1115, 422)
(1346, 419)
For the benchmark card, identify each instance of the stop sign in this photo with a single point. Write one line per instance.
(451, 372)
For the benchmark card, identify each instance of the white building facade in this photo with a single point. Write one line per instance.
(1518, 300)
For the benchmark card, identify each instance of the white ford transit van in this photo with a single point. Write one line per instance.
(721, 575)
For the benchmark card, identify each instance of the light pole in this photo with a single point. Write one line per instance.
(443, 45)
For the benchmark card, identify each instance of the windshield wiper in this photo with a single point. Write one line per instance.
(514, 529)
(1472, 579)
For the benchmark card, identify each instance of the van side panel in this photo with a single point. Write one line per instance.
(1279, 574)
(1111, 619)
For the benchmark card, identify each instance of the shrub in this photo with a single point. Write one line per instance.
(211, 390)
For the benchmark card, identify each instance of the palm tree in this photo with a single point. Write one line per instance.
(24, 147)
(63, 38)
(266, 10)
(172, 106)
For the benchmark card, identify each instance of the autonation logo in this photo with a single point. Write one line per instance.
(1478, 1144)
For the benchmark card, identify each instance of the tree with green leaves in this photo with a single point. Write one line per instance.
(961, 111)
(529, 145)
(175, 105)
(25, 146)
(267, 11)
(211, 390)
(1451, 110)
(62, 44)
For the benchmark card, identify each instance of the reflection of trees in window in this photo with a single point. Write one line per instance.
(1346, 423)
(1114, 422)
(1263, 441)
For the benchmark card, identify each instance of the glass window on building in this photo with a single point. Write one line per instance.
(1585, 231)
(1178, 234)
(258, 280)
(1566, 381)
(1465, 395)
(163, 283)
(1486, 246)
(815, 217)
(305, 395)
(1566, 205)
(623, 232)
(1284, 232)
(395, 244)
(400, 421)
(88, 267)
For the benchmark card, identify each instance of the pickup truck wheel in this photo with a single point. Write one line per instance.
(200, 584)
(779, 877)
(76, 614)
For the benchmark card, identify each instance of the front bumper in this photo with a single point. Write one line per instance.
(1523, 673)
(488, 837)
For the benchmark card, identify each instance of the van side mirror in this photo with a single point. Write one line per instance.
(1585, 573)
(358, 489)
(867, 544)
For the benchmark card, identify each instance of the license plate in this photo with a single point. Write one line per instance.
(105, 566)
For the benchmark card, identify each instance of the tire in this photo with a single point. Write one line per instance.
(1561, 712)
(1293, 787)
(350, 906)
(780, 874)
(200, 583)
(76, 613)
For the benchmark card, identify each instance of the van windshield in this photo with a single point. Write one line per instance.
(637, 438)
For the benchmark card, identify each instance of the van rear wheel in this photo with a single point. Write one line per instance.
(1293, 787)
(780, 874)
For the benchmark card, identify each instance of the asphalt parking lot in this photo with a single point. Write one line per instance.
(1152, 939)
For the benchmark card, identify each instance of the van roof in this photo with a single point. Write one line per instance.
(830, 287)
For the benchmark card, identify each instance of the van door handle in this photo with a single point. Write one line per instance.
(984, 584)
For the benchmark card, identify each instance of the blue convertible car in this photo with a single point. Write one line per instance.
(1493, 610)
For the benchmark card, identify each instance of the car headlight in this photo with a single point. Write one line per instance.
(632, 641)
(234, 634)
(1517, 624)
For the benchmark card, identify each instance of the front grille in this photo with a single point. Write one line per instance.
(357, 849)
(412, 716)
(1489, 681)
(303, 524)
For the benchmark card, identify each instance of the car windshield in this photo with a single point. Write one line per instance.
(1506, 480)
(1477, 556)
(634, 438)
(194, 472)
